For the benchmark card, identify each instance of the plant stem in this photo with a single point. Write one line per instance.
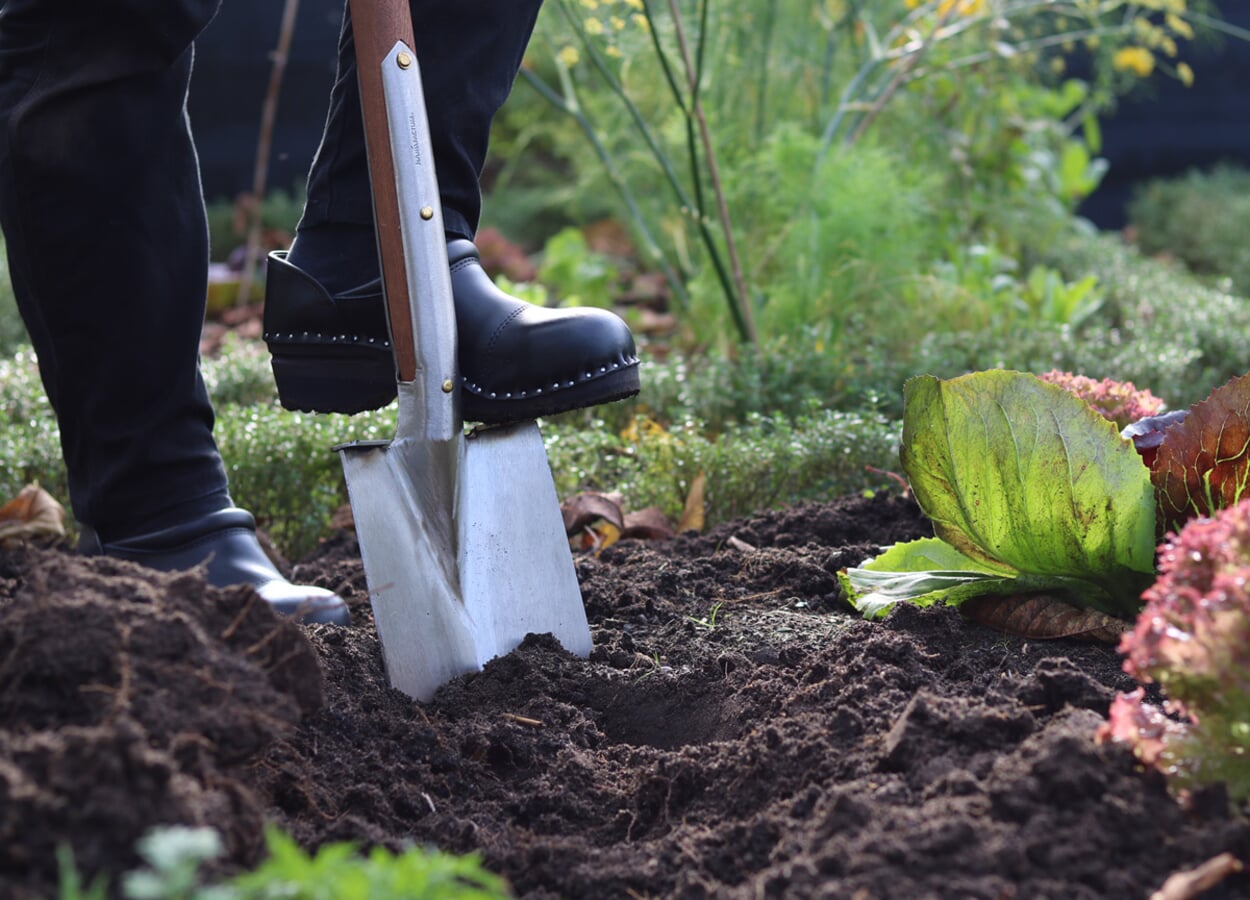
(675, 282)
(904, 69)
(741, 307)
(260, 173)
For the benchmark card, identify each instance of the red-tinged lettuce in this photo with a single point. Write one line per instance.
(1121, 402)
(1203, 463)
(1193, 640)
(1028, 489)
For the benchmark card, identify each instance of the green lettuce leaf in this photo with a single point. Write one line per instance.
(922, 572)
(1031, 486)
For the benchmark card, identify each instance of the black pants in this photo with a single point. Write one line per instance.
(103, 218)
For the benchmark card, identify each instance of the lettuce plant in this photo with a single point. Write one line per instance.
(1120, 401)
(1028, 488)
(1193, 641)
(1031, 489)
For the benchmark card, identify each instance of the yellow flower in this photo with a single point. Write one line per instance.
(641, 21)
(593, 26)
(617, 23)
(1137, 60)
(634, 4)
(1179, 26)
(1185, 74)
(569, 56)
(590, 4)
(614, 52)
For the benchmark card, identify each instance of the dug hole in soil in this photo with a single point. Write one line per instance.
(780, 748)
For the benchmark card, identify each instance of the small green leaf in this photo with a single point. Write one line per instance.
(921, 572)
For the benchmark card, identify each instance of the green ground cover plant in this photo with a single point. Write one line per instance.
(791, 418)
(176, 858)
(1200, 219)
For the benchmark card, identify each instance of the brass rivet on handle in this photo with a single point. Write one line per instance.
(427, 212)
(404, 60)
(448, 386)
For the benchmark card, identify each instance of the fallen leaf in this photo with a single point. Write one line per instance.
(581, 510)
(1189, 884)
(647, 524)
(1042, 616)
(32, 513)
(596, 538)
(692, 515)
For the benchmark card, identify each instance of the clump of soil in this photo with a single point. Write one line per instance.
(737, 732)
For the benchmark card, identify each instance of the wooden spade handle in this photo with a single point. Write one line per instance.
(376, 26)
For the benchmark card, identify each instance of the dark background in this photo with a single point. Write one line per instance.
(1165, 130)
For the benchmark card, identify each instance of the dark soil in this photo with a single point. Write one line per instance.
(785, 749)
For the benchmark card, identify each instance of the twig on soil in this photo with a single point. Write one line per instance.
(523, 720)
(1192, 882)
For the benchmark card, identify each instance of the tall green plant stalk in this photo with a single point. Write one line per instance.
(567, 103)
(699, 145)
(737, 296)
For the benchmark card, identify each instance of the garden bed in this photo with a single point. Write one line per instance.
(737, 732)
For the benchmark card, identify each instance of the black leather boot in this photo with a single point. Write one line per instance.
(225, 542)
(517, 360)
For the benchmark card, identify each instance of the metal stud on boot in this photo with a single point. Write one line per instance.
(225, 542)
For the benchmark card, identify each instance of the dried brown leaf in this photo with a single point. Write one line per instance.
(692, 515)
(1042, 616)
(581, 510)
(647, 524)
(32, 513)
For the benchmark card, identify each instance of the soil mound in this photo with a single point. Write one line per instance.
(130, 699)
(736, 732)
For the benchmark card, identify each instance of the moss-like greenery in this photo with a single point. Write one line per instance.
(1199, 218)
(785, 422)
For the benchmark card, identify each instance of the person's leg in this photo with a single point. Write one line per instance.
(469, 52)
(324, 318)
(107, 242)
(104, 223)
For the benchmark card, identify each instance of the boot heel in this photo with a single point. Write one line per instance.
(349, 380)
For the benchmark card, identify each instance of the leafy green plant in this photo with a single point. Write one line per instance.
(1032, 489)
(1158, 324)
(1028, 489)
(1191, 640)
(70, 881)
(340, 872)
(1198, 218)
(176, 856)
(576, 274)
(969, 91)
(764, 462)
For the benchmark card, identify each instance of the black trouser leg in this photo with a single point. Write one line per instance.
(103, 215)
(470, 52)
